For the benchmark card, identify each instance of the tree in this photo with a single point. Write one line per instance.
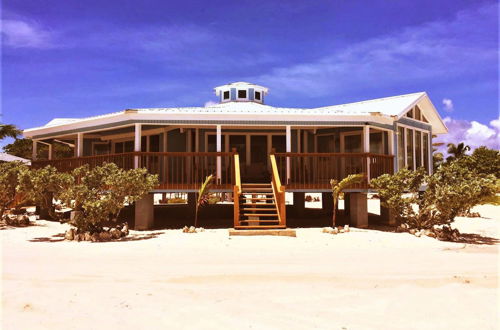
(9, 179)
(9, 131)
(338, 187)
(43, 186)
(484, 161)
(99, 194)
(203, 196)
(456, 151)
(23, 148)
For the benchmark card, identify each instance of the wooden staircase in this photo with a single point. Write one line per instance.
(257, 207)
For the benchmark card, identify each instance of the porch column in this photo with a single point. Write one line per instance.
(137, 143)
(288, 149)
(366, 149)
(34, 150)
(79, 145)
(219, 149)
(51, 151)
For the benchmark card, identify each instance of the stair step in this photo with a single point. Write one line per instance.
(260, 227)
(254, 204)
(256, 185)
(260, 214)
(258, 198)
(259, 209)
(266, 221)
(257, 189)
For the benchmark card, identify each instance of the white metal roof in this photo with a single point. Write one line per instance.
(5, 157)
(391, 108)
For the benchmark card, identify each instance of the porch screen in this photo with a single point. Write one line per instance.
(401, 147)
(409, 149)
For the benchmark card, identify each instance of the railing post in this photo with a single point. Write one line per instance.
(34, 150)
(137, 143)
(366, 150)
(219, 149)
(288, 150)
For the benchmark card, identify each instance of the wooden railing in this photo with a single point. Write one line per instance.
(315, 170)
(236, 189)
(175, 170)
(278, 190)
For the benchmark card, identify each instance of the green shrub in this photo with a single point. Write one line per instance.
(9, 179)
(43, 185)
(99, 194)
(453, 189)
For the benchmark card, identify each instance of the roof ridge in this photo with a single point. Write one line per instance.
(371, 100)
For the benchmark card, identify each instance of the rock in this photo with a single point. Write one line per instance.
(327, 230)
(70, 234)
(192, 230)
(87, 236)
(202, 229)
(77, 237)
(115, 233)
(335, 231)
(412, 231)
(342, 231)
(124, 230)
(418, 233)
(346, 228)
(95, 237)
(431, 234)
(185, 229)
(104, 236)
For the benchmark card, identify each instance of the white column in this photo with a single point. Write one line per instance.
(35, 150)
(422, 159)
(405, 153)
(366, 148)
(219, 149)
(197, 140)
(79, 145)
(429, 143)
(137, 143)
(51, 151)
(413, 151)
(288, 149)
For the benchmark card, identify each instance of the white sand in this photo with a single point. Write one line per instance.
(365, 279)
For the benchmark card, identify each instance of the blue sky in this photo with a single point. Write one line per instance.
(82, 58)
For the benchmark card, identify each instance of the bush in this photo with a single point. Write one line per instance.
(43, 185)
(451, 190)
(9, 179)
(99, 194)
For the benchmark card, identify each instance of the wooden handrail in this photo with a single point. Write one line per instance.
(236, 189)
(328, 154)
(278, 190)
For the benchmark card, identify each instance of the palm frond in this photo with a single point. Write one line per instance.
(204, 189)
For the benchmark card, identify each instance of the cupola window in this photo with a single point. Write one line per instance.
(226, 95)
(257, 96)
(242, 94)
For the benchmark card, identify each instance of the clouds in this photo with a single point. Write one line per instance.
(472, 133)
(448, 105)
(433, 51)
(19, 33)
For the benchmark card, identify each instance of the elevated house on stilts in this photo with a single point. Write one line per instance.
(256, 152)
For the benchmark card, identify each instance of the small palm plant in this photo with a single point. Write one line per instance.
(203, 195)
(338, 187)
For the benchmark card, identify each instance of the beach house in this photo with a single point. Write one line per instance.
(257, 153)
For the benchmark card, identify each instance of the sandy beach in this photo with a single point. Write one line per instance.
(365, 279)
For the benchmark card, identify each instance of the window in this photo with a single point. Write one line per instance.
(417, 113)
(424, 119)
(257, 96)
(242, 94)
(418, 148)
(426, 152)
(409, 114)
(401, 147)
(409, 149)
(226, 95)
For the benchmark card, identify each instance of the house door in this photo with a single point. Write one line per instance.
(257, 169)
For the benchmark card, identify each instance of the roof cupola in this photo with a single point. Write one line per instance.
(241, 92)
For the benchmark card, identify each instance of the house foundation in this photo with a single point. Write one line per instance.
(144, 213)
(358, 210)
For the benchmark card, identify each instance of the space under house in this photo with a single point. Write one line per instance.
(256, 152)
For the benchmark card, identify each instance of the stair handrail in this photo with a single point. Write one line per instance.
(278, 189)
(236, 188)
